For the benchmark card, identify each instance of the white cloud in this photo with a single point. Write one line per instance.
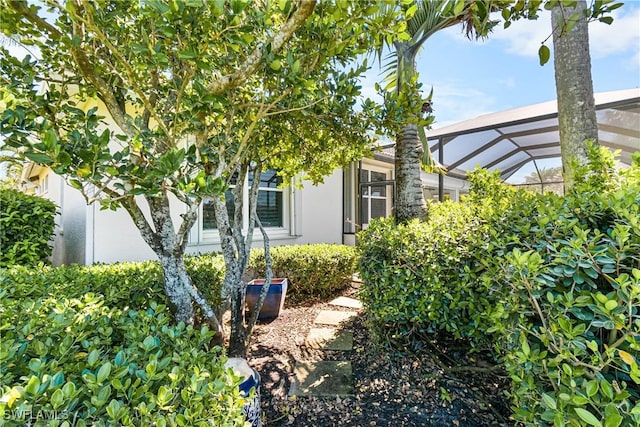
(523, 38)
(623, 35)
(454, 101)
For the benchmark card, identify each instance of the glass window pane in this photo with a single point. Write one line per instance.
(379, 191)
(378, 208)
(378, 176)
(268, 179)
(209, 214)
(269, 208)
(364, 215)
(364, 175)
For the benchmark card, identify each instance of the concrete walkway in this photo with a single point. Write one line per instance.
(327, 378)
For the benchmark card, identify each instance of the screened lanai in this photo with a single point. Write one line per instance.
(524, 142)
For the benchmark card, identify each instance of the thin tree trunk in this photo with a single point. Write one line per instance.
(409, 203)
(169, 245)
(574, 87)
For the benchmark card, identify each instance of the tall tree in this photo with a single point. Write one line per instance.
(423, 19)
(196, 95)
(572, 62)
(574, 85)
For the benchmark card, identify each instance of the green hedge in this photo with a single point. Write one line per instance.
(97, 346)
(126, 284)
(314, 272)
(552, 282)
(26, 228)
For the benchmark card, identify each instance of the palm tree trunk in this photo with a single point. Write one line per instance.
(409, 203)
(574, 87)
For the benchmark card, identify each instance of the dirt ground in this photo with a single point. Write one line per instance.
(439, 385)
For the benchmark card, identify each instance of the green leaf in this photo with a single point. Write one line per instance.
(104, 371)
(544, 54)
(275, 65)
(33, 385)
(549, 401)
(57, 399)
(39, 158)
(93, 357)
(612, 417)
(588, 417)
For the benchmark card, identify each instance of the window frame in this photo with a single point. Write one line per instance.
(366, 198)
(211, 235)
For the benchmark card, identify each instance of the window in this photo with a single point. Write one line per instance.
(269, 208)
(375, 200)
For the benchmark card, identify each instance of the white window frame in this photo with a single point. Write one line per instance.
(388, 172)
(211, 236)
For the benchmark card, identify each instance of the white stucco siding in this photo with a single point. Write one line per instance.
(116, 238)
(321, 211)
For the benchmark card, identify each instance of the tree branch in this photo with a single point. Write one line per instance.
(252, 63)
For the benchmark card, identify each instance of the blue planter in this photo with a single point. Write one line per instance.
(251, 409)
(275, 297)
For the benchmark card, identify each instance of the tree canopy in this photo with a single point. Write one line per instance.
(140, 101)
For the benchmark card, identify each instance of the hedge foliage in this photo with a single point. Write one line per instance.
(553, 283)
(97, 346)
(314, 271)
(26, 228)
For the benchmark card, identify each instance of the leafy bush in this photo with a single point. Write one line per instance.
(96, 346)
(126, 284)
(574, 360)
(553, 282)
(313, 271)
(412, 272)
(26, 227)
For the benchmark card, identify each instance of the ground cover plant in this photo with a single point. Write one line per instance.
(551, 283)
(26, 228)
(98, 346)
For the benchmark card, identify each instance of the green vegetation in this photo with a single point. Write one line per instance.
(98, 346)
(26, 227)
(314, 271)
(551, 283)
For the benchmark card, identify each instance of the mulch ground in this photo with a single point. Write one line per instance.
(439, 385)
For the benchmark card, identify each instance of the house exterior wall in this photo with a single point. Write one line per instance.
(87, 234)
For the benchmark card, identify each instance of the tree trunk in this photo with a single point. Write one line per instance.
(173, 270)
(409, 203)
(574, 87)
(169, 245)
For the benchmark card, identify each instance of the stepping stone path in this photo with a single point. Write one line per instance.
(327, 378)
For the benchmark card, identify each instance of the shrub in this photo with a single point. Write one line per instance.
(26, 227)
(574, 360)
(314, 271)
(126, 284)
(553, 282)
(412, 272)
(80, 345)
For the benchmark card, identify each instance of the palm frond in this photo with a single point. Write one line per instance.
(428, 163)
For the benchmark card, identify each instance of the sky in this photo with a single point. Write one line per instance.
(471, 78)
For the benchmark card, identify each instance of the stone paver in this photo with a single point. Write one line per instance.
(324, 378)
(331, 317)
(330, 339)
(346, 302)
